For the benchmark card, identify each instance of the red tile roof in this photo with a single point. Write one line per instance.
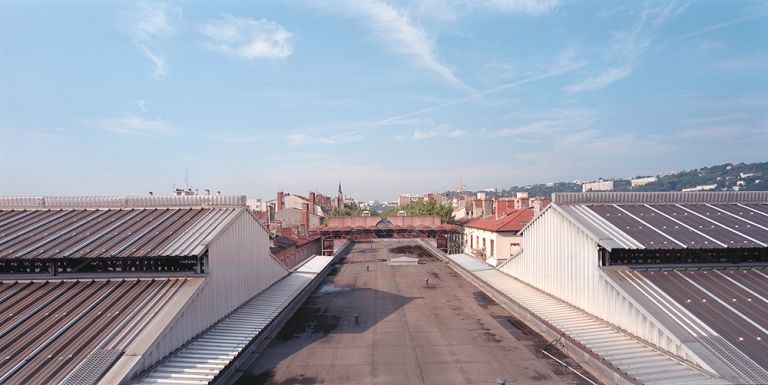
(514, 220)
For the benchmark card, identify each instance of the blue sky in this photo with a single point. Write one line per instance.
(384, 96)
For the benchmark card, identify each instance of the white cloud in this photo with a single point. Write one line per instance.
(249, 38)
(393, 27)
(599, 81)
(142, 105)
(748, 14)
(295, 139)
(628, 45)
(133, 124)
(441, 131)
(159, 65)
(151, 23)
(530, 7)
(547, 123)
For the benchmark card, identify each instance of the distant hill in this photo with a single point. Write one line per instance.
(728, 177)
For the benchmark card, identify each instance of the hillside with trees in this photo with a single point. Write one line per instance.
(726, 177)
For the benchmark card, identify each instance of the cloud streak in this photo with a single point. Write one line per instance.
(747, 15)
(134, 125)
(565, 63)
(530, 7)
(628, 45)
(394, 29)
(249, 38)
(149, 24)
(548, 123)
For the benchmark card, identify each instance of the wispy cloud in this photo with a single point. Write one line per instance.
(628, 45)
(149, 24)
(438, 131)
(565, 63)
(599, 81)
(547, 123)
(249, 38)
(747, 15)
(295, 139)
(392, 26)
(530, 7)
(133, 124)
(159, 64)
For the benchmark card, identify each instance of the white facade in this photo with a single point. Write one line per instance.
(602, 185)
(637, 182)
(294, 201)
(562, 260)
(240, 266)
(478, 243)
(703, 187)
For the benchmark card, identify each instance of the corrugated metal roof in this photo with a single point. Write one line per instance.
(672, 225)
(105, 202)
(48, 328)
(201, 360)
(667, 197)
(93, 233)
(637, 359)
(723, 308)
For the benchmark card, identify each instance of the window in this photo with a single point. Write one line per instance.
(483, 243)
(491, 247)
(471, 245)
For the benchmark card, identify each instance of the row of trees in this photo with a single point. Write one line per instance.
(412, 208)
(422, 208)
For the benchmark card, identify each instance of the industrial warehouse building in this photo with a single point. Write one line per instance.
(654, 287)
(102, 290)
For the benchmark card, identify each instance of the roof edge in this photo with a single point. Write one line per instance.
(119, 202)
(666, 197)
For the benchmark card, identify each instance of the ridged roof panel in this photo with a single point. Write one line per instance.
(95, 233)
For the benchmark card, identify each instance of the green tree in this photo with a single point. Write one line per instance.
(422, 208)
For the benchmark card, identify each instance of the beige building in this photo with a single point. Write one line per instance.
(497, 237)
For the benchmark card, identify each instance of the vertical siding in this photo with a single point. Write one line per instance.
(239, 267)
(562, 260)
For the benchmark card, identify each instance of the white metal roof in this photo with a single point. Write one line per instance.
(469, 262)
(639, 360)
(315, 264)
(200, 361)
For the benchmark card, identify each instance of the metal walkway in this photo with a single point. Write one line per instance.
(206, 356)
(639, 360)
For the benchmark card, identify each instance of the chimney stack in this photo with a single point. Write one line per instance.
(311, 202)
(305, 216)
(279, 204)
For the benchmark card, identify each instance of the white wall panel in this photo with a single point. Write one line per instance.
(562, 260)
(239, 267)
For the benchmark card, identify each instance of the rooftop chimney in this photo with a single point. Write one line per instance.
(279, 201)
(311, 202)
(305, 216)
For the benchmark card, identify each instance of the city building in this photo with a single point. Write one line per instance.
(637, 182)
(497, 237)
(601, 185)
(703, 187)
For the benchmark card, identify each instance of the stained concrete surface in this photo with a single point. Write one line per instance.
(408, 331)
